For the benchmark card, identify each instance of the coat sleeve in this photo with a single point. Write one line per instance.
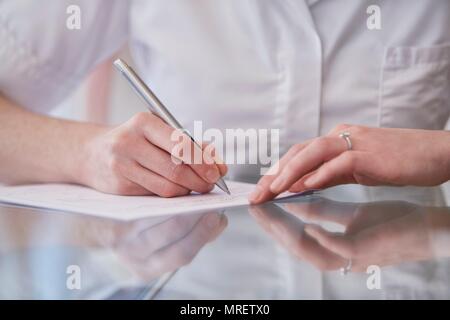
(42, 59)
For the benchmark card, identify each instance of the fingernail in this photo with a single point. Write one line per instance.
(277, 184)
(273, 170)
(213, 221)
(212, 175)
(218, 159)
(255, 195)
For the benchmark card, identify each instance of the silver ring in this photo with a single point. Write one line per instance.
(345, 270)
(346, 136)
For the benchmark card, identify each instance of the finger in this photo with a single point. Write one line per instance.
(215, 223)
(160, 162)
(213, 153)
(284, 229)
(366, 248)
(299, 186)
(125, 233)
(183, 251)
(308, 159)
(290, 235)
(322, 210)
(266, 215)
(154, 182)
(143, 244)
(319, 256)
(339, 170)
(335, 242)
(262, 191)
(177, 144)
(207, 227)
(130, 188)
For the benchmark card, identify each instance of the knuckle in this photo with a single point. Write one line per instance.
(290, 167)
(178, 139)
(322, 143)
(358, 129)
(341, 127)
(119, 142)
(325, 171)
(350, 159)
(141, 118)
(176, 172)
(115, 165)
(296, 147)
(349, 127)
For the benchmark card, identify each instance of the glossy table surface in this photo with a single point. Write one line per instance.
(292, 249)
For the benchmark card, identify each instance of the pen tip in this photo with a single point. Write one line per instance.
(225, 188)
(222, 185)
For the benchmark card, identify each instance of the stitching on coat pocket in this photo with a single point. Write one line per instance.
(415, 87)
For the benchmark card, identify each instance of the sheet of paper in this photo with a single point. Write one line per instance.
(73, 198)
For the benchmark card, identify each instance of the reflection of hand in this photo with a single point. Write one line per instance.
(385, 233)
(380, 234)
(379, 156)
(135, 159)
(288, 231)
(153, 250)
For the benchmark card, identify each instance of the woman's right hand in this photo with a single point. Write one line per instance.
(150, 249)
(135, 159)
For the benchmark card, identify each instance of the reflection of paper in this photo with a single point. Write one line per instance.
(80, 199)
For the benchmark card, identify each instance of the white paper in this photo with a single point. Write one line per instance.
(79, 199)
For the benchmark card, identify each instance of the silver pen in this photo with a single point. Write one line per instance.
(155, 105)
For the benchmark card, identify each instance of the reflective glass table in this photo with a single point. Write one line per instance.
(322, 246)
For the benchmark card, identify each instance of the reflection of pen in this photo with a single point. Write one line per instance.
(155, 105)
(150, 292)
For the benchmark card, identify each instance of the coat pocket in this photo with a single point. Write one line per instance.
(415, 87)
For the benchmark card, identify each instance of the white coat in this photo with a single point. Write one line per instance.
(299, 66)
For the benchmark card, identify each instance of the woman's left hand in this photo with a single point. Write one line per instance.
(379, 156)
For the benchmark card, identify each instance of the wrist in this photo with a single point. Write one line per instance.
(437, 222)
(446, 155)
(85, 154)
(442, 163)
